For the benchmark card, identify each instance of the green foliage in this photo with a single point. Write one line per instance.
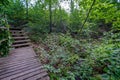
(4, 2)
(5, 42)
(16, 13)
(103, 61)
(103, 17)
(56, 56)
(96, 60)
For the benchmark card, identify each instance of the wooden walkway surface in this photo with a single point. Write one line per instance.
(22, 64)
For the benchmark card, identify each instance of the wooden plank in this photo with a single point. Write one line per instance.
(21, 76)
(17, 38)
(21, 41)
(18, 34)
(16, 58)
(25, 50)
(45, 78)
(18, 70)
(21, 45)
(11, 67)
(38, 76)
(22, 66)
(35, 72)
(16, 31)
(18, 54)
(15, 63)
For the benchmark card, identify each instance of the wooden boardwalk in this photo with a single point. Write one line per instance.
(22, 64)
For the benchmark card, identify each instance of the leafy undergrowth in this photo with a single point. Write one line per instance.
(67, 58)
(5, 42)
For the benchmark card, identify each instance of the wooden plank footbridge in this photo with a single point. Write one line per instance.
(22, 62)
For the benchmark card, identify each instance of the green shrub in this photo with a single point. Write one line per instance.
(4, 42)
(56, 56)
(103, 63)
(66, 57)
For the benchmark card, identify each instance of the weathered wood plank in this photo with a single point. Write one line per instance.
(35, 72)
(18, 54)
(22, 66)
(21, 45)
(38, 76)
(24, 74)
(17, 71)
(2, 69)
(21, 41)
(16, 58)
(45, 78)
(20, 38)
(15, 63)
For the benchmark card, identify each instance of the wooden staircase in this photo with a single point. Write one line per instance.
(19, 37)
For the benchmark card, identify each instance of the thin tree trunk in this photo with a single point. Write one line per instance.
(26, 9)
(50, 24)
(72, 6)
(87, 15)
(60, 17)
(72, 9)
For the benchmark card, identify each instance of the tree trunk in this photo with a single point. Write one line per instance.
(26, 9)
(50, 10)
(87, 15)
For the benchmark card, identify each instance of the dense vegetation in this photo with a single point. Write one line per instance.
(5, 39)
(82, 42)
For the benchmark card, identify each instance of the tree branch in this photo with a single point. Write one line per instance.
(87, 15)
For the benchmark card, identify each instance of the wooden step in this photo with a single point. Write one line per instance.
(21, 41)
(17, 34)
(20, 38)
(21, 45)
(13, 32)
